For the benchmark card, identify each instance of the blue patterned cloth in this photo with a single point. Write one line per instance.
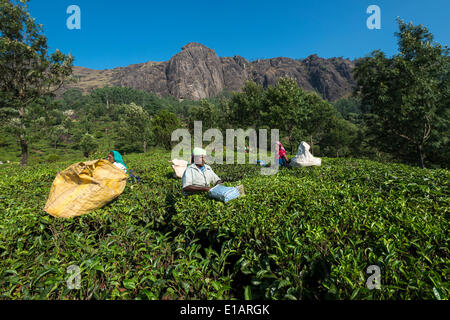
(223, 193)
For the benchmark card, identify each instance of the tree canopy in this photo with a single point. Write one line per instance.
(27, 70)
(405, 94)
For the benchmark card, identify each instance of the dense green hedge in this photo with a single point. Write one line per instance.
(312, 233)
(304, 233)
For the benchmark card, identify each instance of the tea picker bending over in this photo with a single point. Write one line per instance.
(116, 159)
(281, 155)
(198, 176)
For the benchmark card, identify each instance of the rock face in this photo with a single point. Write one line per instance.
(304, 158)
(197, 72)
(150, 76)
(235, 72)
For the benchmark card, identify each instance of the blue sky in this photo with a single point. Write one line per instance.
(119, 33)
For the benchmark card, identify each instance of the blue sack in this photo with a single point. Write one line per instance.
(223, 193)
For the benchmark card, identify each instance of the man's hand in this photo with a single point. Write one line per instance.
(219, 182)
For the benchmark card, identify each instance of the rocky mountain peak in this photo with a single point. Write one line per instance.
(194, 45)
(196, 72)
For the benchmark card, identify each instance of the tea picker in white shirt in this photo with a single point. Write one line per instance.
(199, 176)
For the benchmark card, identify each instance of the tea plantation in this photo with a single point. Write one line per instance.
(306, 233)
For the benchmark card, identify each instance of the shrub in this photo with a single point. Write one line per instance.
(88, 144)
(53, 158)
(305, 233)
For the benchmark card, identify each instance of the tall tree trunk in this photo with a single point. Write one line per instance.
(420, 156)
(312, 145)
(23, 142)
(24, 147)
(145, 146)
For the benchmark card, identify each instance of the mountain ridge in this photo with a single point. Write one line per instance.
(197, 72)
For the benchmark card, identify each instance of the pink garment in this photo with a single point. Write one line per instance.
(281, 151)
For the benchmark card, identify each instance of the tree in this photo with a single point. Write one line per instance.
(57, 132)
(246, 106)
(73, 99)
(163, 125)
(340, 135)
(123, 95)
(27, 71)
(88, 144)
(135, 129)
(207, 113)
(350, 109)
(286, 108)
(404, 94)
(54, 125)
(320, 115)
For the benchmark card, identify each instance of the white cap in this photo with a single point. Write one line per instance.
(199, 152)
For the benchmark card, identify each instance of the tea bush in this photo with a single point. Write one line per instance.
(312, 233)
(53, 158)
(304, 233)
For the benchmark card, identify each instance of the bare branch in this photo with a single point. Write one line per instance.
(427, 129)
(404, 136)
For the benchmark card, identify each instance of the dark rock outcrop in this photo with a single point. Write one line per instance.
(197, 72)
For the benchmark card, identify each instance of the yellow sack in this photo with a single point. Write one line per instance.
(84, 187)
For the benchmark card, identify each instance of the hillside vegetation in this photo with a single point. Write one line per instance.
(306, 233)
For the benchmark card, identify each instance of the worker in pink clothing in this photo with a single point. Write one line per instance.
(281, 155)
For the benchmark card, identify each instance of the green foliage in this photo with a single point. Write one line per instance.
(246, 107)
(299, 115)
(163, 125)
(134, 129)
(53, 158)
(304, 233)
(207, 113)
(320, 117)
(340, 136)
(57, 132)
(286, 108)
(73, 99)
(405, 94)
(311, 234)
(27, 71)
(88, 144)
(122, 95)
(350, 109)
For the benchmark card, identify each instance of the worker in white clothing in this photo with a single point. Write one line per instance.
(199, 176)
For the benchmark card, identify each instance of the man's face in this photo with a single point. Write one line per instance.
(199, 160)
